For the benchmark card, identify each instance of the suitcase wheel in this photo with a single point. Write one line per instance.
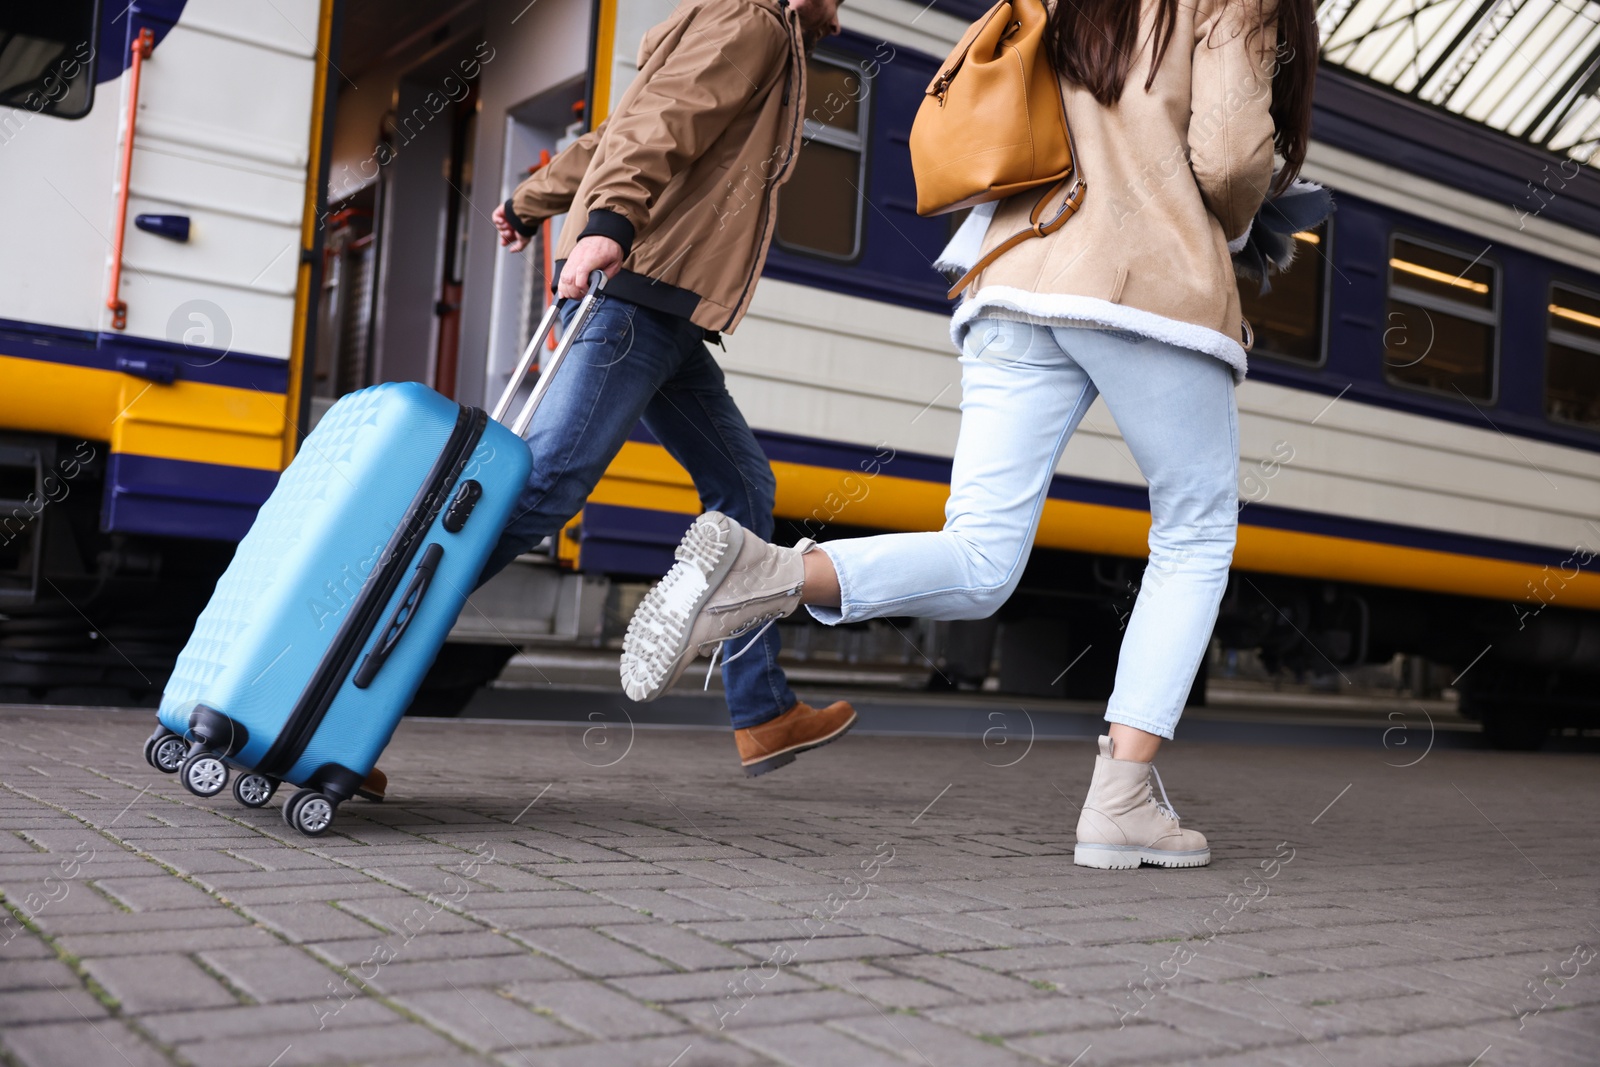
(166, 752)
(310, 812)
(203, 774)
(254, 790)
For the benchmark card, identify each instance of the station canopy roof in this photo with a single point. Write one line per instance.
(1529, 68)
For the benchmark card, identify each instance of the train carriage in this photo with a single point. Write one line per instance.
(156, 193)
(1418, 432)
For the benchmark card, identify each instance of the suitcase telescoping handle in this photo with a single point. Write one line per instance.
(597, 282)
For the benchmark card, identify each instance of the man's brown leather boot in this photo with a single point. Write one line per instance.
(777, 742)
(374, 786)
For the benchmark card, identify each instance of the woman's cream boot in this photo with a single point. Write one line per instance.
(1123, 825)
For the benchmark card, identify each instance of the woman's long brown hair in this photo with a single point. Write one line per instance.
(1094, 43)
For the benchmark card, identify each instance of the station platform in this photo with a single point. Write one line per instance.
(611, 893)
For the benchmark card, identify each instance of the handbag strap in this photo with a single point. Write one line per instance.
(1036, 228)
(941, 81)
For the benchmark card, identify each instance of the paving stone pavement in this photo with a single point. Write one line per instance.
(534, 895)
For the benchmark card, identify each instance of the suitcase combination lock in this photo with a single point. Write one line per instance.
(460, 509)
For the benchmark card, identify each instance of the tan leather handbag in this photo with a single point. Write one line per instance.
(993, 124)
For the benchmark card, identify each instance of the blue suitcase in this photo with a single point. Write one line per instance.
(341, 593)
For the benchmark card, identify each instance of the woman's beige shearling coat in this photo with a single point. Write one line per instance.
(1174, 174)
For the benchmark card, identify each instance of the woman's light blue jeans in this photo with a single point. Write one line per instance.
(1024, 390)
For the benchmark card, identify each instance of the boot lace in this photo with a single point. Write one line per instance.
(767, 622)
(1164, 806)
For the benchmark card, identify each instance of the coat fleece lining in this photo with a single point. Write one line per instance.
(1058, 309)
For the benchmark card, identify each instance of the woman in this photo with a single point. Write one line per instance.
(1176, 111)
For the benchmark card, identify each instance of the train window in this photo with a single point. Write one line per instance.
(1288, 320)
(47, 59)
(820, 206)
(1572, 357)
(877, 100)
(1441, 329)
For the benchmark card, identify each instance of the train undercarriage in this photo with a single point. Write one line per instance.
(94, 618)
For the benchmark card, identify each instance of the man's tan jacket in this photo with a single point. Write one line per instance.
(684, 173)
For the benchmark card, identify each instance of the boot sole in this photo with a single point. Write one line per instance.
(655, 650)
(786, 757)
(1127, 857)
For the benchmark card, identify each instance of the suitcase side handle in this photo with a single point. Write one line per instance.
(597, 283)
(400, 621)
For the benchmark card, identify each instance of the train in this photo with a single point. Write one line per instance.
(221, 217)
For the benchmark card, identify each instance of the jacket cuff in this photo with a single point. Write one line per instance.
(523, 229)
(603, 222)
(1236, 245)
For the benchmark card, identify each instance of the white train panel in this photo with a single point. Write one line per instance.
(828, 366)
(231, 153)
(55, 198)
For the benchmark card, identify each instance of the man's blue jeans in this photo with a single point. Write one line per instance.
(633, 363)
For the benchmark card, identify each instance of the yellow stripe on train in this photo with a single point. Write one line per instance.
(185, 420)
(644, 476)
(246, 428)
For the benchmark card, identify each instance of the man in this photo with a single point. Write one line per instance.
(674, 197)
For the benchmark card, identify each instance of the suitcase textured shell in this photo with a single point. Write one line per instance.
(298, 571)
